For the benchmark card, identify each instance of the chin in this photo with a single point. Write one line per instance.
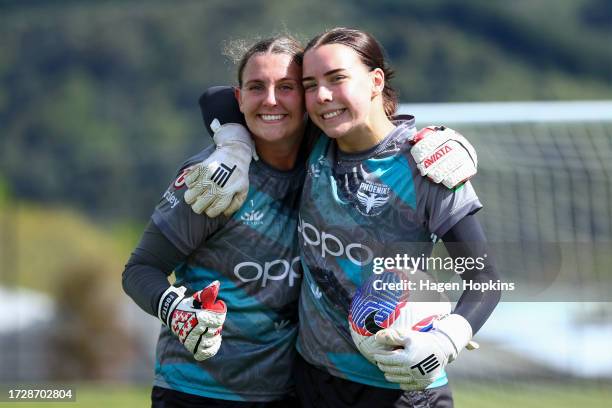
(336, 132)
(276, 137)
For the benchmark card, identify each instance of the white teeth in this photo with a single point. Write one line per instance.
(271, 117)
(333, 114)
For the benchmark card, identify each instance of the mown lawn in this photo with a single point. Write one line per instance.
(536, 395)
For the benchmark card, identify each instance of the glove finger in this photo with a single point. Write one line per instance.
(415, 386)
(207, 296)
(427, 146)
(208, 349)
(461, 140)
(207, 342)
(217, 206)
(400, 379)
(192, 339)
(213, 331)
(459, 176)
(394, 358)
(452, 169)
(446, 164)
(194, 175)
(192, 193)
(394, 370)
(203, 201)
(236, 203)
(390, 337)
(212, 319)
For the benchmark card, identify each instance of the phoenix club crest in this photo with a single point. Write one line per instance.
(372, 197)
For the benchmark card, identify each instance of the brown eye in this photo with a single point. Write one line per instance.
(309, 85)
(255, 87)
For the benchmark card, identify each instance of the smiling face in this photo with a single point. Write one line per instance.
(271, 98)
(341, 92)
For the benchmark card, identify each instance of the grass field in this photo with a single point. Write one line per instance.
(467, 395)
(532, 395)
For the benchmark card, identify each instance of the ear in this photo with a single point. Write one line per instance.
(237, 96)
(378, 81)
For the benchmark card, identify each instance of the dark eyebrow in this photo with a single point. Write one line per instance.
(259, 81)
(333, 71)
(253, 81)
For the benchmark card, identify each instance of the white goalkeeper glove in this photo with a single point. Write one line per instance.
(196, 320)
(444, 155)
(422, 355)
(221, 182)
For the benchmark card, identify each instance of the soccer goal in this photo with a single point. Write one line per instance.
(545, 179)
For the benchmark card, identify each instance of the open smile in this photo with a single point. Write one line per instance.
(271, 117)
(332, 114)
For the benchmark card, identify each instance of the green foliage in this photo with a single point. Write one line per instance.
(98, 100)
(42, 246)
(4, 191)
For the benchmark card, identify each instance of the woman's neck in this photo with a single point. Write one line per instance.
(281, 155)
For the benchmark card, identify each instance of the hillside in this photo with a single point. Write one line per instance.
(98, 98)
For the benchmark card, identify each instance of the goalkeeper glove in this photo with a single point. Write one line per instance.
(443, 155)
(221, 182)
(422, 356)
(196, 320)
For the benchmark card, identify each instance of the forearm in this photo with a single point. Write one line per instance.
(145, 276)
(466, 239)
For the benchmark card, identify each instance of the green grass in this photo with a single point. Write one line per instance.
(467, 395)
(536, 395)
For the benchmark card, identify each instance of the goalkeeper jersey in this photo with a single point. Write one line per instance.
(356, 207)
(254, 254)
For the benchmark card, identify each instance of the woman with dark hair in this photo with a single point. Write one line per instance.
(363, 152)
(252, 257)
(367, 152)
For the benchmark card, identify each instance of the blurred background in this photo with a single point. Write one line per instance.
(98, 107)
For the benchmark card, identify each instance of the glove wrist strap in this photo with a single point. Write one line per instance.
(168, 302)
(457, 330)
(234, 133)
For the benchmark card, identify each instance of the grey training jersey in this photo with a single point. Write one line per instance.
(254, 255)
(356, 207)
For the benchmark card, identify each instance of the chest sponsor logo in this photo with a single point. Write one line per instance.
(371, 198)
(276, 270)
(253, 217)
(331, 245)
